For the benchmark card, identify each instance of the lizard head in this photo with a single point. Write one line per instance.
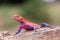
(18, 18)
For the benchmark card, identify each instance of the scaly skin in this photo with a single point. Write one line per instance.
(25, 24)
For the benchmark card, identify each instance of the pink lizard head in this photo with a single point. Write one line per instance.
(18, 18)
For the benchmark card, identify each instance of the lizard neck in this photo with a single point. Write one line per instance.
(23, 21)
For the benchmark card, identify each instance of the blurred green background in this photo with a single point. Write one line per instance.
(36, 11)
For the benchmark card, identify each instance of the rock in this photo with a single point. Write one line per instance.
(39, 34)
(3, 35)
(42, 34)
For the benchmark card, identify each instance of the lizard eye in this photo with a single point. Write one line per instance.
(21, 18)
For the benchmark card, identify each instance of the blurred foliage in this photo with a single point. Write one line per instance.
(32, 10)
(35, 10)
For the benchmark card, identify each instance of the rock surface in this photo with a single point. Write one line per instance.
(39, 34)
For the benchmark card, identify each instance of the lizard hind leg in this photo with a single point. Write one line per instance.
(30, 29)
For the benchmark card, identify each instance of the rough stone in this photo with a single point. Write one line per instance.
(39, 34)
